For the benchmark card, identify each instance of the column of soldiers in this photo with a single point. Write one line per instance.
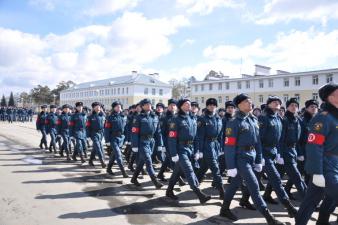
(16, 114)
(249, 144)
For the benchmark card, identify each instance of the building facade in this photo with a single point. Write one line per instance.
(129, 89)
(261, 85)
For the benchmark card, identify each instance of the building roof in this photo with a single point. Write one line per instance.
(127, 79)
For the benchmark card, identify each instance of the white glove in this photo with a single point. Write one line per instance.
(159, 148)
(279, 160)
(196, 156)
(175, 158)
(200, 155)
(232, 172)
(126, 142)
(108, 144)
(163, 156)
(134, 149)
(301, 158)
(263, 162)
(318, 180)
(163, 149)
(258, 168)
(220, 153)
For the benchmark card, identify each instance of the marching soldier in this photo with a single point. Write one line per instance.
(41, 126)
(52, 120)
(63, 130)
(243, 154)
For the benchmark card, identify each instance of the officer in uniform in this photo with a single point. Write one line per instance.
(145, 128)
(183, 146)
(209, 128)
(243, 154)
(63, 130)
(133, 155)
(270, 131)
(127, 132)
(113, 133)
(290, 146)
(52, 120)
(158, 149)
(78, 131)
(41, 126)
(322, 156)
(166, 157)
(95, 126)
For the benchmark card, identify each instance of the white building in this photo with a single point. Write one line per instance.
(302, 85)
(129, 89)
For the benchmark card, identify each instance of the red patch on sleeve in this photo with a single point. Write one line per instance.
(71, 123)
(231, 141)
(108, 125)
(173, 134)
(46, 122)
(88, 124)
(135, 130)
(317, 139)
(58, 122)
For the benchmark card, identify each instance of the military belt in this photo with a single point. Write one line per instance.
(186, 142)
(211, 138)
(246, 148)
(117, 134)
(146, 137)
(291, 145)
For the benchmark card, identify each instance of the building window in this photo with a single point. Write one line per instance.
(153, 91)
(297, 81)
(247, 84)
(123, 91)
(286, 97)
(227, 86)
(101, 92)
(114, 91)
(315, 96)
(270, 83)
(202, 99)
(219, 86)
(226, 98)
(219, 99)
(261, 83)
(161, 92)
(286, 82)
(127, 89)
(329, 78)
(261, 99)
(210, 87)
(145, 91)
(196, 88)
(297, 96)
(153, 101)
(202, 87)
(118, 91)
(239, 85)
(315, 80)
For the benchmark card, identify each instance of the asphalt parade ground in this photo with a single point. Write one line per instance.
(38, 188)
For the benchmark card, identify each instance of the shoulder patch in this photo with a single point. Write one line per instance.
(199, 123)
(172, 125)
(318, 126)
(228, 131)
(134, 120)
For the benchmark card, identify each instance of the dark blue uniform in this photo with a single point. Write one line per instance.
(63, 130)
(291, 148)
(209, 130)
(78, 131)
(51, 125)
(322, 159)
(41, 126)
(95, 126)
(113, 133)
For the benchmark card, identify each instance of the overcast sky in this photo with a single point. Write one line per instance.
(47, 41)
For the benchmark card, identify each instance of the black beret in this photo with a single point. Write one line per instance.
(211, 101)
(263, 106)
(43, 106)
(78, 104)
(172, 101)
(273, 98)
(145, 101)
(182, 101)
(327, 90)
(66, 106)
(239, 98)
(160, 105)
(52, 106)
(291, 100)
(195, 104)
(94, 104)
(311, 102)
(115, 104)
(230, 103)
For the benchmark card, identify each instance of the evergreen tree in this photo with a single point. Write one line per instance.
(11, 100)
(3, 101)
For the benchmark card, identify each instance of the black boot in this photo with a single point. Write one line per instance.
(269, 199)
(246, 204)
(157, 184)
(292, 211)
(103, 164)
(201, 196)
(226, 212)
(134, 179)
(82, 159)
(170, 194)
(41, 147)
(130, 167)
(109, 171)
(270, 219)
(90, 162)
(181, 182)
(50, 149)
(124, 173)
(74, 157)
(221, 192)
(161, 177)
